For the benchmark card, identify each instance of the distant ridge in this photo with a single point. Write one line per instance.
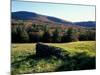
(86, 24)
(25, 15)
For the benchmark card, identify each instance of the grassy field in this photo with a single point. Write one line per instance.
(24, 59)
(84, 46)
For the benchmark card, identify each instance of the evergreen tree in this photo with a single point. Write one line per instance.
(56, 36)
(14, 37)
(22, 34)
(70, 36)
(46, 37)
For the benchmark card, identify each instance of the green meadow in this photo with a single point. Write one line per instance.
(81, 54)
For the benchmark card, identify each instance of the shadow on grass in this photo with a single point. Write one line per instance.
(52, 59)
(81, 61)
(27, 58)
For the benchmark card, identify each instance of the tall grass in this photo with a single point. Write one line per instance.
(81, 57)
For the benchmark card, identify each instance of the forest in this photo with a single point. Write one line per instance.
(23, 33)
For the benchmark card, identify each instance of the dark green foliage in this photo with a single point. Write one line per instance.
(83, 36)
(56, 36)
(87, 35)
(46, 37)
(19, 34)
(70, 36)
(24, 36)
(45, 28)
(14, 35)
(34, 37)
(91, 35)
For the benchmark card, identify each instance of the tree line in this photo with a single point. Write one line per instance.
(43, 33)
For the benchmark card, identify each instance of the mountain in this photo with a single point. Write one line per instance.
(43, 19)
(24, 15)
(86, 24)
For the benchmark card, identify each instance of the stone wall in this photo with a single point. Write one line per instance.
(43, 50)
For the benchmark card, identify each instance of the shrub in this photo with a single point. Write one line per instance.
(43, 50)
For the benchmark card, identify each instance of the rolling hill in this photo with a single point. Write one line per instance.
(86, 24)
(42, 19)
(24, 15)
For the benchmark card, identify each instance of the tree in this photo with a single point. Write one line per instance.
(91, 35)
(70, 36)
(56, 36)
(19, 33)
(14, 37)
(22, 34)
(35, 36)
(87, 34)
(46, 37)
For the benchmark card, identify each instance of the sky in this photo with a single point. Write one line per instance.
(69, 12)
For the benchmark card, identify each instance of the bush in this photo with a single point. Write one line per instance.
(43, 50)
